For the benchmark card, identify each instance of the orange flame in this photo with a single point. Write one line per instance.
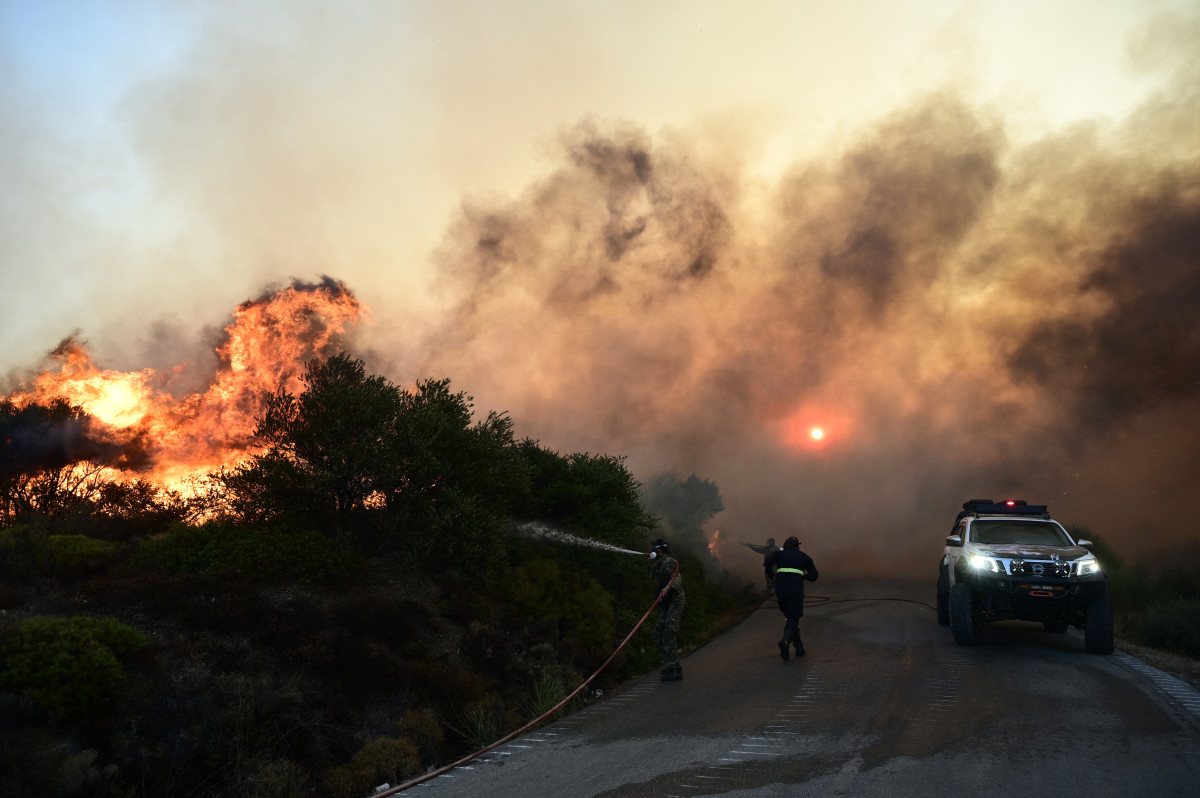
(265, 349)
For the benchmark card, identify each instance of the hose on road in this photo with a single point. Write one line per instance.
(548, 713)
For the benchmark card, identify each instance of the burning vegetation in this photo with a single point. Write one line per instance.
(305, 548)
(135, 427)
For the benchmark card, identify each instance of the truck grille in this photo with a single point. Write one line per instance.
(1040, 568)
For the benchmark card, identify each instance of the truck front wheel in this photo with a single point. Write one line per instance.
(1098, 625)
(943, 598)
(963, 621)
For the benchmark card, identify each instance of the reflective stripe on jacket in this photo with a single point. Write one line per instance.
(791, 568)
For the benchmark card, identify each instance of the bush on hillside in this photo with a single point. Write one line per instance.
(259, 554)
(71, 666)
(576, 607)
(24, 551)
(1169, 626)
(385, 760)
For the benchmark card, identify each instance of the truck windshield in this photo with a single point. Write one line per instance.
(998, 532)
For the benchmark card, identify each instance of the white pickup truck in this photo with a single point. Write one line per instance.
(1010, 560)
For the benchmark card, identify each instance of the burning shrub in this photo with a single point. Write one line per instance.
(69, 665)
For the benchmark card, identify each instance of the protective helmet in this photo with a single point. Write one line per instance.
(660, 545)
(792, 543)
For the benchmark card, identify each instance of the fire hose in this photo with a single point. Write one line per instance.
(548, 713)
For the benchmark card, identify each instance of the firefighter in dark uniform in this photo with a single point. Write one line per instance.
(664, 571)
(790, 568)
(765, 551)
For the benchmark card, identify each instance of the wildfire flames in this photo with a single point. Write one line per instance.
(264, 350)
(713, 545)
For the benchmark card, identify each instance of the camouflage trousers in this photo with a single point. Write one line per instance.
(666, 632)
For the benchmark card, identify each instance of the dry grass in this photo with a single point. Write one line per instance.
(1179, 666)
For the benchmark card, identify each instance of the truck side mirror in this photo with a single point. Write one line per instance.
(1082, 542)
(954, 540)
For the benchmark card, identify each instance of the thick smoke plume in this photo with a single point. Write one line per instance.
(964, 317)
(968, 305)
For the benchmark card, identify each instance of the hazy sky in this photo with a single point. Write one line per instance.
(960, 235)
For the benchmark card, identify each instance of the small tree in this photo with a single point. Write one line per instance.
(354, 452)
(328, 449)
(55, 470)
(456, 482)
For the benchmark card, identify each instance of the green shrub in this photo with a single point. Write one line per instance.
(71, 666)
(424, 731)
(547, 692)
(483, 722)
(639, 655)
(261, 555)
(31, 551)
(280, 778)
(580, 609)
(24, 551)
(1171, 626)
(73, 551)
(1179, 583)
(459, 534)
(386, 760)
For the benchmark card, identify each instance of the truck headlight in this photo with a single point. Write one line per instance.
(981, 563)
(1085, 567)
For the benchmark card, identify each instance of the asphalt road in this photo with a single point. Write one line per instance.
(885, 703)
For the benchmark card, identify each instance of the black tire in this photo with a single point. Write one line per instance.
(943, 598)
(1098, 625)
(1058, 625)
(963, 621)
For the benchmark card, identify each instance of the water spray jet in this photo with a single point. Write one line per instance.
(545, 532)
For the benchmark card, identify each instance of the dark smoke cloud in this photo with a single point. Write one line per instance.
(970, 317)
(1143, 350)
(40, 438)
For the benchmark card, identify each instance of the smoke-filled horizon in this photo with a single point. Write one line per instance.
(962, 316)
(971, 296)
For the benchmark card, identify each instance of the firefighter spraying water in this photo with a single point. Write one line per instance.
(664, 569)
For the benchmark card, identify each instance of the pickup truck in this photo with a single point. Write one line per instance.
(1010, 560)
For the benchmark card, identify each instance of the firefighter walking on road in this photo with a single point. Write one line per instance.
(664, 569)
(790, 568)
